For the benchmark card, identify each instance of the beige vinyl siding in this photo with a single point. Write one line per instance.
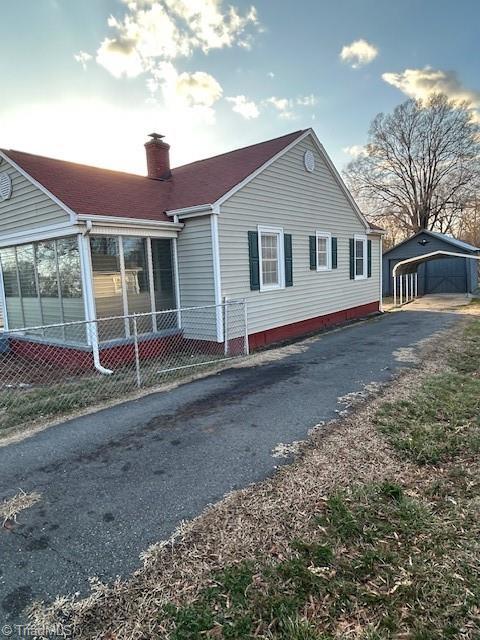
(28, 208)
(286, 195)
(195, 271)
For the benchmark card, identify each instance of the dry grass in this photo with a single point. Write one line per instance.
(347, 472)
(9, 509)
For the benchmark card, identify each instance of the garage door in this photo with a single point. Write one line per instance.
(446, 276)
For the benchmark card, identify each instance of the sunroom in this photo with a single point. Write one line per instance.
(88, 289)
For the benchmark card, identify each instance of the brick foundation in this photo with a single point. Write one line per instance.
(70, 359)
(297, 329)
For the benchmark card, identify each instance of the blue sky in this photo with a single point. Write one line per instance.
(88, 80)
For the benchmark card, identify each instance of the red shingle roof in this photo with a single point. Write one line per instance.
(93, 191)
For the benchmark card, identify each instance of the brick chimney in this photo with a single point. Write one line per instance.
(158, 157)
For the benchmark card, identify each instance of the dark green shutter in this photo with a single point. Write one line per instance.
(352, 259)
(287, 241)
(334, 253)
(369, 258)
(313, 252)
(254, 260)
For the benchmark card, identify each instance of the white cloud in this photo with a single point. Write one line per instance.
(422, 83)
(358, 53)
(355, 150)
(120, 58)
(281, 104)
(185, 92)
(270, 74)
(307, 101)
(162, 30)
(284, 106)
(198, 88)
(83, 58)
(153, 34)
(246, 108)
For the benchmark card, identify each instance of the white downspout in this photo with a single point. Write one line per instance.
(217, 280)
(86, 272)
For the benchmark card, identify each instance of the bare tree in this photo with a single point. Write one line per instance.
(420, 167)
(468, 227)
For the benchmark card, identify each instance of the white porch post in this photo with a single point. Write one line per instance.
(394, 291)
(3, 300)
(178, 301)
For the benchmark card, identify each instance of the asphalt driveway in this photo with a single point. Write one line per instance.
(116, 481)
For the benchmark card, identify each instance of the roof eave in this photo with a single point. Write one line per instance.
(130, 222)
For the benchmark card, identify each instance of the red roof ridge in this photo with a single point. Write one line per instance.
(71, 162)
(138, 175)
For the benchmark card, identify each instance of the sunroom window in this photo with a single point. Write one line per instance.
(42, 286)
(132, 276)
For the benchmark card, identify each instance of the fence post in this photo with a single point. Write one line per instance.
(137, 358)
(245, 316)
(225, 327)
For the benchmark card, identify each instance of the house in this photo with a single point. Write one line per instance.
(441, 274)
(271, 223)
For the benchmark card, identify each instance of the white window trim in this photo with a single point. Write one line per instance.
(280, 261)
(328, 236)
(363, 238)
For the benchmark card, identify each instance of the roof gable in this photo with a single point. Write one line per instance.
(442, 237)
(94, 191)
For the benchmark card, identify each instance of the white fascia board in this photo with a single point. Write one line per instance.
(62, 205)
(42, 233)
(376, 232)
(118, 221)
(264, 166)
(190, 212)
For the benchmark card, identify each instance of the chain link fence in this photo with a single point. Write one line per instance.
(54, 370)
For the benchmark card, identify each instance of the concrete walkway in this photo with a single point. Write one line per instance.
(116, 481)
(440, 302)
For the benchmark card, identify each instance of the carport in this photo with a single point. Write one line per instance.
(405, 274)
(455, 274)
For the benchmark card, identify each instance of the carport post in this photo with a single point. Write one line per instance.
(406, 287)
(394, 291)
(416, 284)
(411, 286)
(401, 290)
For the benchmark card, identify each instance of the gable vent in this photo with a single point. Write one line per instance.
(309, 161)
(5, 186)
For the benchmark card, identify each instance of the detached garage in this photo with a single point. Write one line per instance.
(445, 275)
